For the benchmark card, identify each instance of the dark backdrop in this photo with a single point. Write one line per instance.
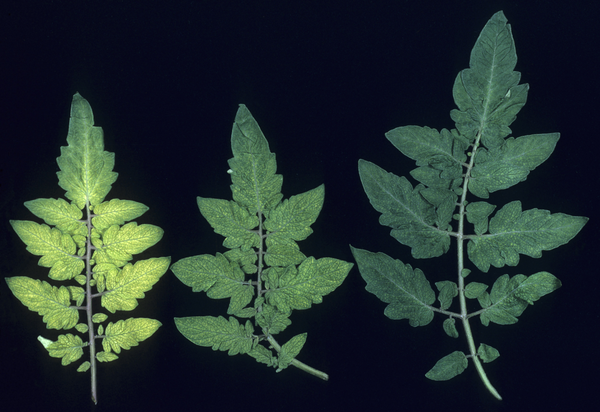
(325, 80)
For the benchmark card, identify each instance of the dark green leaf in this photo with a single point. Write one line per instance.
(411, 217)
(513, 231)
(407, 291)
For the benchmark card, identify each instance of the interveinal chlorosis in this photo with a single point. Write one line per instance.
(87, 244)
(264, 274)
(479, 158)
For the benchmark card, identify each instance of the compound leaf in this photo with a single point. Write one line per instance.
(124, 287)
(53, 303)
(448, 367)
(127, 333)
(407, 291)
(513, 231)
(218, 333)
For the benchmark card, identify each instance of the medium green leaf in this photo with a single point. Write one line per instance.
(121, 242)
(282, 252)
(314, 278)
(513, 231)
(84, 366)
(216, 276)
(448, 367)
(58, 250)
(263, 355)
(68, 347)
(57, 212)
(292, 218)
(218, 333)
(106, 356)
(407, 291)
(86, 169)
(53, 303)
(509, 297)
(255, 184)
(511, 163)
(227, 218)
(290, 350)
(127, 333)
(404, 209)
(124, 287)
(116, 212)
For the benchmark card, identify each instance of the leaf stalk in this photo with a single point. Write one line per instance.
(461, 280)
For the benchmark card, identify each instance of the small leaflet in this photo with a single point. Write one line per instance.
(106, 356)
(487, 353)
(448, 367)
(450, 327)
(84, 366)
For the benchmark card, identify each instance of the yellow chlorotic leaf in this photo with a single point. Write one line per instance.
(53, 303)
(127, 333)
(68, 347)
(58, 250)
(124, 287)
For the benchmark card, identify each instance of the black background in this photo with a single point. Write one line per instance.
(325, 80)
